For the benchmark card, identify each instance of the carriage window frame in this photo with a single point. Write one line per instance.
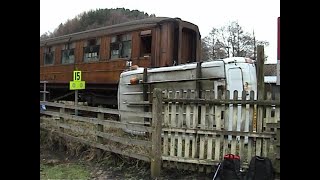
(121, 46)
(91, 50)
(49, 56)
(145, 43)
(67, 54)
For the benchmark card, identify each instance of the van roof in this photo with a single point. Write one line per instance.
(211, 63)
(234, 59)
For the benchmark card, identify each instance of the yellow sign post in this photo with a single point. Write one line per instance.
(76, 75)
(77, 83)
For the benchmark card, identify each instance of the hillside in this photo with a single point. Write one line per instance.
(95, 19)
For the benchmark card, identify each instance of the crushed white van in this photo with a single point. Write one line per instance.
(235, 73)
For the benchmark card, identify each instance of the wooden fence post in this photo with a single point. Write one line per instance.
(99, 128)
(156, 133)
(61, 129)
(61, 119)
(260, 78)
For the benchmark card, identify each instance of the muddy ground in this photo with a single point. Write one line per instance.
(111, 166)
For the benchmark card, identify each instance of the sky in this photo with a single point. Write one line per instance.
(258, 15)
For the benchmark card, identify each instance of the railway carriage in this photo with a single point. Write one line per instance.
(102, 54)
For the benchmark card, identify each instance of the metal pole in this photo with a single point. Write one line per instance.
(216, 173)
(76, 102)
(45, 90)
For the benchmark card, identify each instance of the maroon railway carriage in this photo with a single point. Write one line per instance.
(103, 53)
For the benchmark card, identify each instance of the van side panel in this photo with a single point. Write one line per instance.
(227, 76)
(240, 76)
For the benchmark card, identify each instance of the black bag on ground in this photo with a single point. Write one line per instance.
(260, 168)
(230, 168)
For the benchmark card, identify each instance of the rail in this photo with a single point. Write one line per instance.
(44, 91)
(192, 132)
(106, 134)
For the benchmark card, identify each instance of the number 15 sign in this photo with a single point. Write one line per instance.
(77, 83)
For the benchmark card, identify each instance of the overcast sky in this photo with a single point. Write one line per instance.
(258, 15)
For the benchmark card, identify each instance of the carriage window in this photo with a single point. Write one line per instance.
(120, 46)
(146, 38)
(91, 50)
(68, 53)
(48, 55)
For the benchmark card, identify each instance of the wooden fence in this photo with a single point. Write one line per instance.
(186, 131)
(106, 134)
(44, 92)
(201, 131)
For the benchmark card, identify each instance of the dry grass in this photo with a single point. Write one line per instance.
(86, 152)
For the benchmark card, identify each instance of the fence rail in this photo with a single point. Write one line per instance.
(102, 131)
(201, 130)
(189, 129)
(44, 91)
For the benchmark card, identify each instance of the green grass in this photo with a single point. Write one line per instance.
(64, 171)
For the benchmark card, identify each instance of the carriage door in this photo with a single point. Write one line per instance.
(188, 46)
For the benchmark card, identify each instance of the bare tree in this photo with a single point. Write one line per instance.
(46, 35)
(212, 39)
(231, 40)
(214, 46)
(205, 51)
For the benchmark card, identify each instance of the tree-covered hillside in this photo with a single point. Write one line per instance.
(95, 19)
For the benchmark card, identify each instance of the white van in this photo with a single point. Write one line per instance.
(231, 74)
